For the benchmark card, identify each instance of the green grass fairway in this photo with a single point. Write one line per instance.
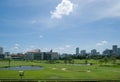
(62, 71)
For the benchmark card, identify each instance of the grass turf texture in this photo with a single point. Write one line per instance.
(63, 71)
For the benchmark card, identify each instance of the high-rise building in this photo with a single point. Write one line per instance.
(94, 52)
(118, 51)
(107, 52)
(77, 51)
(1, 50)
(83, 52)
(114, 48)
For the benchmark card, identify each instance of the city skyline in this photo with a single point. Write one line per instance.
(115, 49)
(61, 25)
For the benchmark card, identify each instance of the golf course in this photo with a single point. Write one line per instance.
(60, 70)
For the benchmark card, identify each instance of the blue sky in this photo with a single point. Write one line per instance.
(61, 25)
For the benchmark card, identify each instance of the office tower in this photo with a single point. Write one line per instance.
(107, 52)
(94, 52)
(114, 48)
(118, 51)
(77, 51)
(83, 52)
(1, 50)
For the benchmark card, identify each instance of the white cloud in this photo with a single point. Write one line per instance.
(32, 46)
(102, 43)
(67, 46)
(61, 48)
(64, 8)
(16, 47)
(16, 44)
(41, 36)
(46, 49)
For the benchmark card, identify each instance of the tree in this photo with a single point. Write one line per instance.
(53, 61)
(105, 59)
(68, 59)
(86, 61)
(101, 61)
(113, 58)
(9, 60)
(65, 61)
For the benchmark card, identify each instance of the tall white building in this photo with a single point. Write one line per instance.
(1, 50)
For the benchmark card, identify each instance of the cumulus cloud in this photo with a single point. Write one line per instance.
(41, 36)
(46, 49)
(16, 47)
(102, 43)
(32, 46)
(64, 8)
(61, 48)
(16, 44)
(67, 46)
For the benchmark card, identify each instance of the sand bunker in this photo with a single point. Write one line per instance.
(53, 68)
(64, 69)
(88, 71)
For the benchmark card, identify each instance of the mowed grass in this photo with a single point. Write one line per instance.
(62, 71)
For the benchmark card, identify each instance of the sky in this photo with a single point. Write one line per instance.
(60, 25)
